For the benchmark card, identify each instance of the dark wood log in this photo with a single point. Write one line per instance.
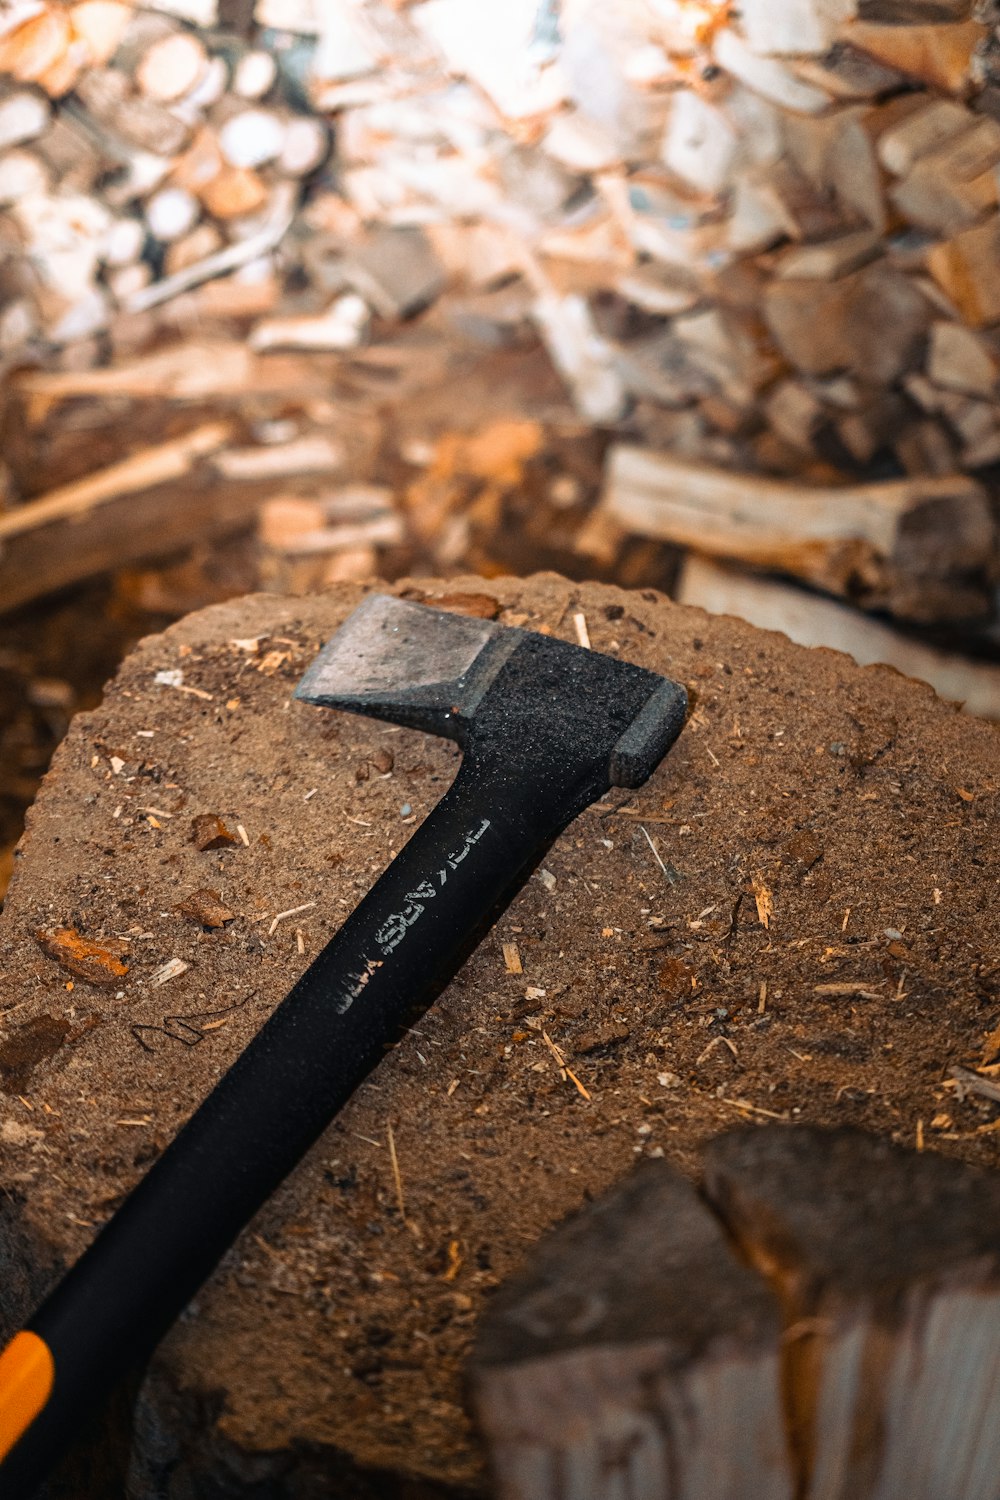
(887, 1262)
(635, 1357)
(641, 1353)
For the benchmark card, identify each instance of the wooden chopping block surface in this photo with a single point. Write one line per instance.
(795, 918)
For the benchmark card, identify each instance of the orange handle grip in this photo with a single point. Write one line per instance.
(27, 1373)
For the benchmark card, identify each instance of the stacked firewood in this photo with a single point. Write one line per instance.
(765, 239)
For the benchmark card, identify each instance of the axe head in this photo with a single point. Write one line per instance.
(473, 680)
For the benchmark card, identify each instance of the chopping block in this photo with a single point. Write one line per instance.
(793, 918)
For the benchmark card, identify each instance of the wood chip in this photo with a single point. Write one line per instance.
(763, 900)
(209, 832)
(96, 962)
(847, 990)
(512, 958)
(206, 907)
(172, 969)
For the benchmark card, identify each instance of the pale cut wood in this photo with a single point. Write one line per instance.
(252, 137)
(23, 116)
(305, 146)
(887, 1263)
(908, 545)
(344, 325)
(171, 213)
(314, 454)
(794, 26)
(172, 67)
(810, 620)
(194, 370)
(123, 242)
(634, 1357)
(254, 74)
(768, 76)
(101, 24)
(22, 174)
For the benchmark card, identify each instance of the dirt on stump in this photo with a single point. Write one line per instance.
(794, 919)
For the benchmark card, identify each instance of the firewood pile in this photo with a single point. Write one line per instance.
(758, 241)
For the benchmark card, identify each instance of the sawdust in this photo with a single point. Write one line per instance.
(331, 1343)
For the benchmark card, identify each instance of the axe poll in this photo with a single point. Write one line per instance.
(546, 728)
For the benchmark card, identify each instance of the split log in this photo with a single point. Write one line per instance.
(922, 548)
(640, 1352)
(811, 620)
(102, 522)
(195, 370)
(344, 325)
(887, 1263)
(636, 1356)
(965, 267)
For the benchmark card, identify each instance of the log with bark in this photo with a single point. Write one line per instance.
(924, 549)
(812, 620)
(823, 1321)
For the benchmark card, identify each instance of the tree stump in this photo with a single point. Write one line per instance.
(794, 918)
(643, 1353)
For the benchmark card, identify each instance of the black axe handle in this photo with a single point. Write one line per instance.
(385, 965)
(547, 729)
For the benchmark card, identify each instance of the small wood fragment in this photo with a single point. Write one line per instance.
(512, 958)
(172, 969)
(209, 832)
(96, 962)
(206, 906)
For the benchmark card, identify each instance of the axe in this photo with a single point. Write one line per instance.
(545, 728)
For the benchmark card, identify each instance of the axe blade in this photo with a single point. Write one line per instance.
(410, 664)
